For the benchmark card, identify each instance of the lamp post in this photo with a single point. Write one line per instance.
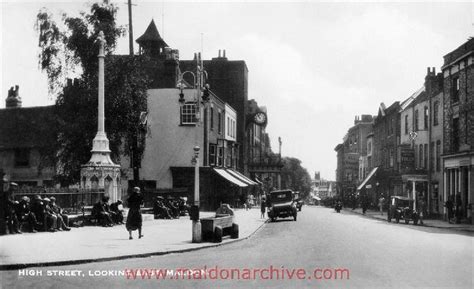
(202, 97)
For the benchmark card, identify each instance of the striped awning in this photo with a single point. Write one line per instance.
(369, 176)
(230, 178)
(241, 177)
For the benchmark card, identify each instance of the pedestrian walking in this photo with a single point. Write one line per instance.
(262, 209)
(134, 218)
(449, 207)
(421, 207)
(458, 208)
(381, 201)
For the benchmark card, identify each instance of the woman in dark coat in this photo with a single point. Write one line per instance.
(134, 218)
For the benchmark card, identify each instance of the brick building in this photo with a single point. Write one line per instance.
(229, 80)
(385, 144)
(27, 142)
(458, 124)
(350, 153)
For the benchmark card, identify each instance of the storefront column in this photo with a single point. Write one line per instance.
(445, 190)
(469, 193)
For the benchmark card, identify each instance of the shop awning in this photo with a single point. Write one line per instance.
(241, 177)
(369, 176)
(223, 173)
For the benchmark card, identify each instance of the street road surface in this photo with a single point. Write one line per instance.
(373, 254)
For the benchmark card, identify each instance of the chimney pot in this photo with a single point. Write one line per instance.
(224, 53)
(219, 53)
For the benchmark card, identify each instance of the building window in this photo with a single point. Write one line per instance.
(455, 89)
(212, 154)
(22, 157)
(391, 158)
(219, 122)
(188, 114)
(420, 156)
(406, 124)
(212, 118)
(425, 157)
(455, 134)
(435, 113)
(416, 120)
(432, 155)
(466, 127)
(438, 155)
(425, 119)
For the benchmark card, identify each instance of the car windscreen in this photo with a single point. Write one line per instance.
(278, 197)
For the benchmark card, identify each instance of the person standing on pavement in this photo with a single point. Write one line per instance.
(421, 207)
(262, 209)
(134, 218)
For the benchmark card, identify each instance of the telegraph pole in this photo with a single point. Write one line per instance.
(130, 27)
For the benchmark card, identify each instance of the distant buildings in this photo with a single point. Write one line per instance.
(421, 147)
(322, 189)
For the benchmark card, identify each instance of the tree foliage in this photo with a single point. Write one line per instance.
(74, 49)
(295, 177)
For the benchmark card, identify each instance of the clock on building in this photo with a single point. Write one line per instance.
(260, 118)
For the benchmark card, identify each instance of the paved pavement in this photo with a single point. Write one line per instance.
(376, 254)
(427, 223)
(94, 243)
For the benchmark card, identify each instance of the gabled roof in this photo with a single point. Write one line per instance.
(407, 102)
(151, 35)
(27, 127)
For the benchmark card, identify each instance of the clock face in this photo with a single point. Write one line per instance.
(260, 118)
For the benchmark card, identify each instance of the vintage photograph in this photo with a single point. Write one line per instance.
(236, 144)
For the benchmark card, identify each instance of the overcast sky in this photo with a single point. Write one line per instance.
(314, 65)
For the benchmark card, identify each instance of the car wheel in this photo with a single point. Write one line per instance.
(218, 232)
(235, 231)
(294, 217)
(272, 219)
(397, 219)
(407, 221)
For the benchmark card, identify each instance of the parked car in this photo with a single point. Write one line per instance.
(403, 208)
(281, 205)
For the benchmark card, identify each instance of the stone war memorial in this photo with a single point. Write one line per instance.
(100, 172)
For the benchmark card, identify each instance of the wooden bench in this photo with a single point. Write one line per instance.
(214, 228)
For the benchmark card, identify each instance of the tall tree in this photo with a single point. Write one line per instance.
(73, 50)
(295, 177)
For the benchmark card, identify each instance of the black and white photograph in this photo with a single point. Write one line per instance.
(236, 144)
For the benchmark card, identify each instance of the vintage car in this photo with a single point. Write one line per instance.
(281, 205)
(403, 208)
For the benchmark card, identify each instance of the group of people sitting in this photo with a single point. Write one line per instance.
(170, 208)
(108, 215)
(41, 214)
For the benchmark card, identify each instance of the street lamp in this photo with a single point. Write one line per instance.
(202, 97)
